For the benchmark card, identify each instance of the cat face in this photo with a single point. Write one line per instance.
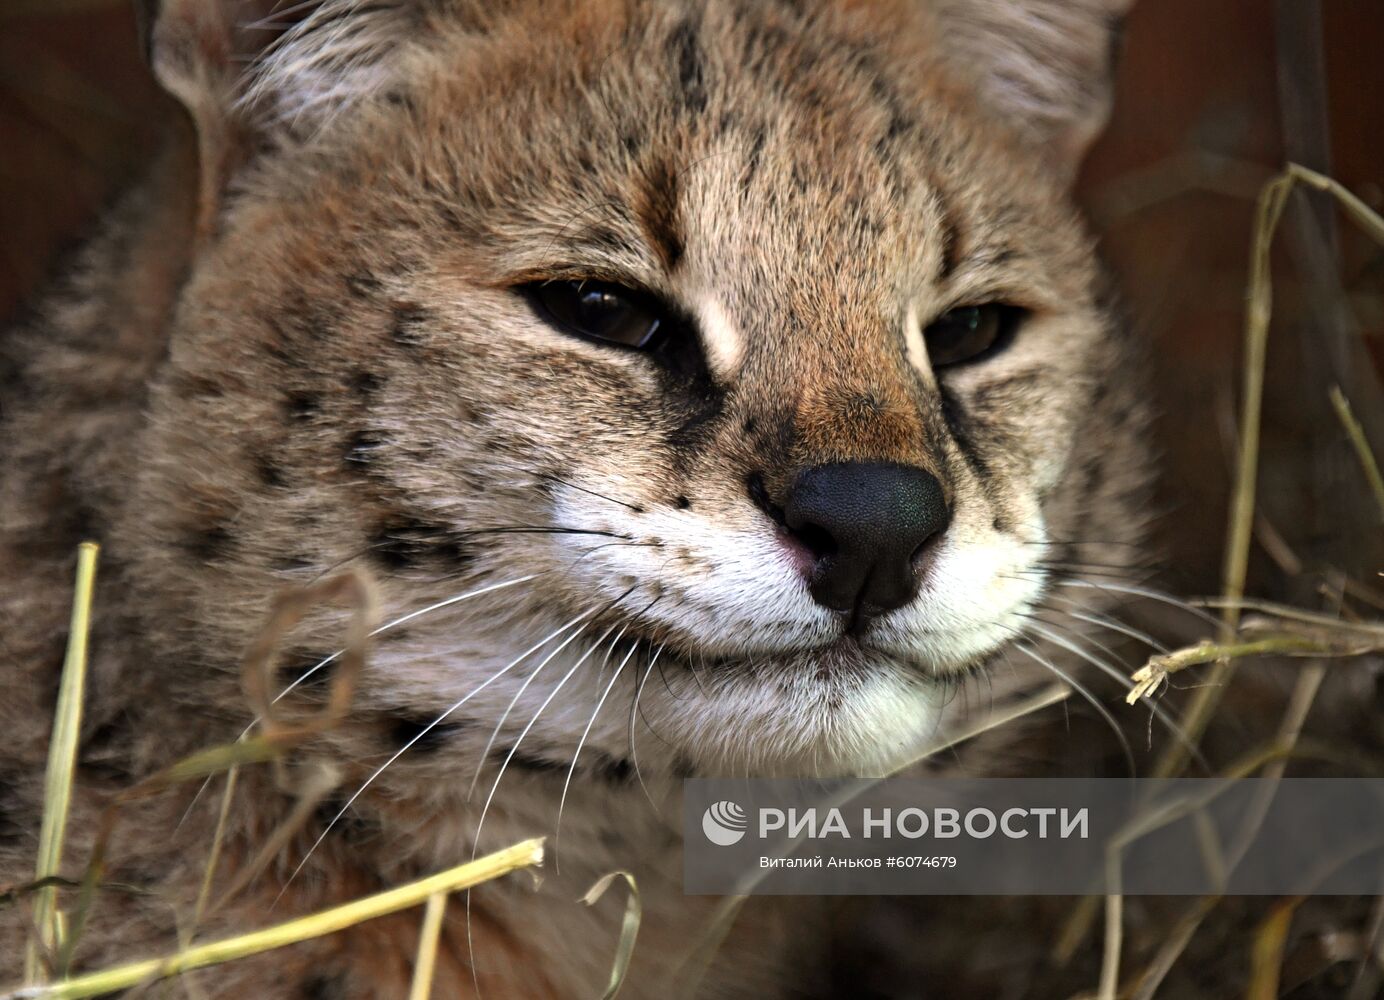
(728, 367)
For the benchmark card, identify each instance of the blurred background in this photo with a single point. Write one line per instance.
(1214, 97)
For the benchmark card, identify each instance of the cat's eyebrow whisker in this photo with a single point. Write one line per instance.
(1081, 689)
(327, 661)
(423, 732)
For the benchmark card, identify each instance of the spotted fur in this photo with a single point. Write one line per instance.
(297, 345)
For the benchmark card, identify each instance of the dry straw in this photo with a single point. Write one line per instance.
(57, 933)
(526, 854)
(1290, 632)
(62, 761)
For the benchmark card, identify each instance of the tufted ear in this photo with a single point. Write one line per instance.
(1047, 65)
(250, 71)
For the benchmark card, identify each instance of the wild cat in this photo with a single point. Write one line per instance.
(726, 378)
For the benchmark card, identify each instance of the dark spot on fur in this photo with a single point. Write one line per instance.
(682, 503)
(12, 827)
(363, 285)
(697, 416)
(302, 405)
(366, 383)
(658, 212)
(208, 543)
(352, 827)
(616, 770)
(593, 762)
(105, 752)
(408, 543)
(686, 52)
(962, 429)
(414, 733)
(774, 436)
(321, 986)
(759, 493)
(268, 472)
(405, 326)
(950, 235)
(300, 667)
(752, 159)
(361, 448)
(293, 562)
(527, 762)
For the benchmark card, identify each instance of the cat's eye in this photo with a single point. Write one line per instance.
(598, 310)
(969, 333)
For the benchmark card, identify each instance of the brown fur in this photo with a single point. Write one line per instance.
(295, 345)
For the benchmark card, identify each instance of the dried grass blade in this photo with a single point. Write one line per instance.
(62, 759)
(1361, 444)
(426, 962)
(525, 854)
(629, 928)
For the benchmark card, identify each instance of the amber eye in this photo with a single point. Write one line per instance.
(597, 310)
(968, 333)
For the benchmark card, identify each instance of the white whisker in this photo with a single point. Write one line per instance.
(1077, 686)
(1121, 679)
(1113, 624)
(457, 599)
(423, 732)
(494, 733)
(485, 809)
(634, 708)
(1145, 592)
(562, 802)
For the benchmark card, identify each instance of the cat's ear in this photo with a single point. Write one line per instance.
(1047, 65)
(196, 50)
(250, 72)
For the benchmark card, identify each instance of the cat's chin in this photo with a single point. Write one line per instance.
(839, 711)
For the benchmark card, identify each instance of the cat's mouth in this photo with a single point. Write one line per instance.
(843, 655)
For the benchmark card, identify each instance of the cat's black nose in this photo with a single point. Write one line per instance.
(866, 525)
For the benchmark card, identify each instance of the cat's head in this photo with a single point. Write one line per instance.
(726, 356)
